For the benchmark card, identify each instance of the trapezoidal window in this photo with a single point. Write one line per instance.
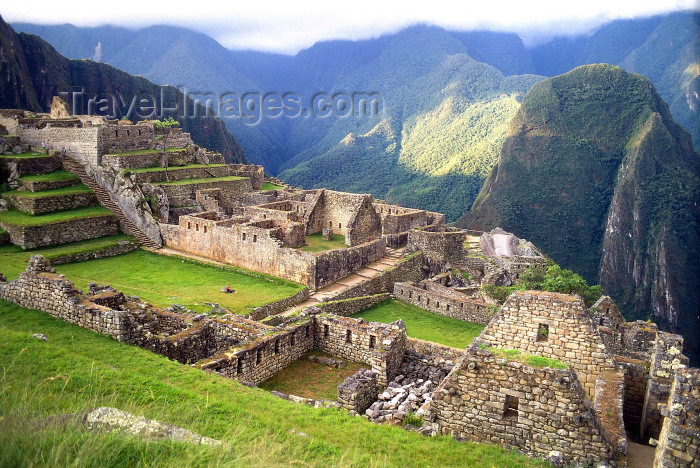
(277, 346)
(205, 229)
(258, 356)
(543, 332)
(244, 236)
(189, 225)
(326, 331)
(339, 225)
(196, 227)
(510, 409)
(348, 336)
(308, 329)
(239, 367)
(292, 339)
(255, 237)
(372, 341)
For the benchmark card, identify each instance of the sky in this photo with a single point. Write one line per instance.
(288, 26)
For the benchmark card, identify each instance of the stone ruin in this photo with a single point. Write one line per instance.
(619, 380)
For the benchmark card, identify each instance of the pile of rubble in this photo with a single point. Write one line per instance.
(409, 390)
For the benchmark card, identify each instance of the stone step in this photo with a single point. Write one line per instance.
(192, 171)
(50, 181)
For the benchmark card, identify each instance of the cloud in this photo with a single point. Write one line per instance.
(290, 26)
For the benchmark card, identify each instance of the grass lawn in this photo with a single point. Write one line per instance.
(271, 186)
(199, 181)
(27, 154)
(310, 379)
(13, 260)
(72, 190)
(146, 151)
(172, 168)
(23, 219)
(423, 324)
(164, 280)
(77, 369)
(316, 243)
(51, 176)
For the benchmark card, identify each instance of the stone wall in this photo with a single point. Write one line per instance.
(83, 144)
(348, 307)
(407, 269)
(151, 159)
(260, 359)
(120, 137)
(274, 308)
(379, 345)
(35, 165)
(442, 246)
(429, 348)
(29, 237)
(636, 374)
(41, 289)
(551, 325)
(244, 245)
(41, 185)
(679, 442)
(332, 265)
(535, 410)
(48, 204)
(441, 300)
(357, 393)
(183, 193)
(180, 173)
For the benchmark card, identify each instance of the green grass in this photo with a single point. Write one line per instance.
(145, 151)
(310, 379)
(529, 359)
(23, 219)
(316, 243)
(199, 181)
(165, 280)
(49, 177)
(271, 186)
(27, 154)
(77, 369)
(13, 260)
(72, 190)
(172, 168)
(423, 324)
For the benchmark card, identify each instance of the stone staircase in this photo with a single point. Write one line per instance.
(105, 200)
(366, 273)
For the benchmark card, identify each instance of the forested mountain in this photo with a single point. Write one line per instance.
(32, 73)
(448, 95)
(595, 171)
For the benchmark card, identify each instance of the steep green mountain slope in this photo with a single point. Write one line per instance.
(665, 49)
(595, 171)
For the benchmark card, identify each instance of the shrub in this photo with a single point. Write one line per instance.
(413, 419)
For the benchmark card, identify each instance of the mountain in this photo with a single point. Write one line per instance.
(595, 171)
(665, 49)
(447, 95)
(34, 73)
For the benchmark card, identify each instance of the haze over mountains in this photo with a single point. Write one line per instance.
(448, 95)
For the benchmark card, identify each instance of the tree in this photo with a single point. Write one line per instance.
(167, 125)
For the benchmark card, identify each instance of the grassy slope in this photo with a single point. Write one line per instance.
(168, 280)
(424, 325)
(311, 379)
(13, 260)
(72, 190)
(23, 219)
(51, 176)
(78, 369)
(316, 243)
(172, 168)
(271, 186)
